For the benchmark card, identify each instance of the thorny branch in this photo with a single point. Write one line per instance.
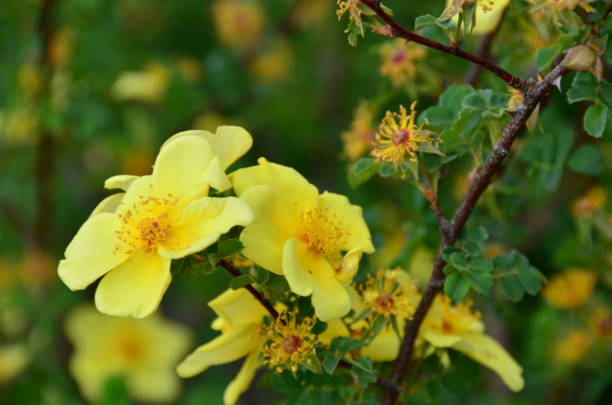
(401, 32)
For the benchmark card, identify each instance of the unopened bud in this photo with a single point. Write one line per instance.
(580, 57)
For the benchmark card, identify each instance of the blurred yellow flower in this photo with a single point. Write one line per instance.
(314, 240)
(238, 23)
(60, 47)
(601, 322)
(390, 293)
(592, 201)
(131, 237)
(240, 317)
(144, 352)
(358, 139)
(569, 289)
(13, 360)
(309, 12)
(457, 327)
(18, 126)
(573, 347)
(398, 137)
(398, 60)
(421, 265)
(272, 64)
(147, 86)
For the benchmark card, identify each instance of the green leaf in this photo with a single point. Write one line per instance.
(240, 281)
(512, 288)
(386, 169)
(458, 260)
(362, 171)
(605, 89)
(595, 119)
(204, 268)
(583, 88)
(229, 247)
(587, 159)
(448, 251)
(531, 279)
(114, 392)
(437, 116)
(452, 98)
(478, 234)
(545, 56)
(481, 265)
(338, 348)
(258, 275)
(480, 282)
(456, 286)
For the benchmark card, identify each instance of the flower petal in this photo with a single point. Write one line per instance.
(180, 166)
(225, 348)
(215, 176)
(275, 222)
(243, 379)
(238, 308)
(154, 385)
(491, 354)
(201, 224)
(135, 288)
(292, 185)
(438, 339)
(121, 181)
(384, 347)
(351, 218)
(109, 204)
(230, 143)
(308, 273)
(350, 265)
(92, 252)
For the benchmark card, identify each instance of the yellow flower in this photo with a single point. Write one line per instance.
(398, 137)
(591, 201)
(516, 99)
(13, 360)
(601, 322)
(358, 140)
(272, 65)
(131, 238)
(457, 327)
(290, 342)
(569, 289)
(238, 23)
(488, 13)
(147, 86)
(398, 60)
(240, 317)
(353, 7)
(390, 293)
(144, 352)
(573, 347)
(314, 240)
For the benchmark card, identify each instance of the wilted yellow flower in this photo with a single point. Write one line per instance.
(591, 201)
(570, 289)
(457, 327)
(353, 7)
(144, 352)
(358, 140)
(147, 86)
(398, 60)
(390, 293)
(573, 347)
(601, 322)
(273, 63)
(314, 240)
(488, 13)
(131, 237)
(240, 317)
(238, 23)
(289, 342)
(13, 360)
(398, 137)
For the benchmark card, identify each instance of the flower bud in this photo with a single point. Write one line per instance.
(580, 57)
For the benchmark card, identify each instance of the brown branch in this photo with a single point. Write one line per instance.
(231, 269)
(399, 31)
(481, 180)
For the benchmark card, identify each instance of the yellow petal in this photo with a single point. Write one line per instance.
(109, 204)
(491, 354)
(154, 385)
(242, 381)
(180, 167)
(135, 288)
(275, 222)
(292, 185)
(227, 347)
(92, 252)
(121, 181)
(335, 328)
(13, 359)
(349, 266)
(238, 308)
(203, 221)
(351, 218)
(215, 176)
(438, 339)
(486, 21)
(307, 274)
(384, 347)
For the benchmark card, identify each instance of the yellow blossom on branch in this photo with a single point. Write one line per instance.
(131, 238)
(398, 138)
(573, 347)
(398, 60)
(570, 289)
(456, 327)
(238, 23)
(358, 139)
(314, 240)
(390, 293)
(144, 352)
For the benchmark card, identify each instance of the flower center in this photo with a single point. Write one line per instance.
(400, 136)
(291, 344)
(323, 233)
(385, 301)
(399, 56)
(146, 224)
(130, 349)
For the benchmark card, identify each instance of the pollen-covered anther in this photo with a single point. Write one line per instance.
(385, 295)
(323, 233)
(146, 224)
